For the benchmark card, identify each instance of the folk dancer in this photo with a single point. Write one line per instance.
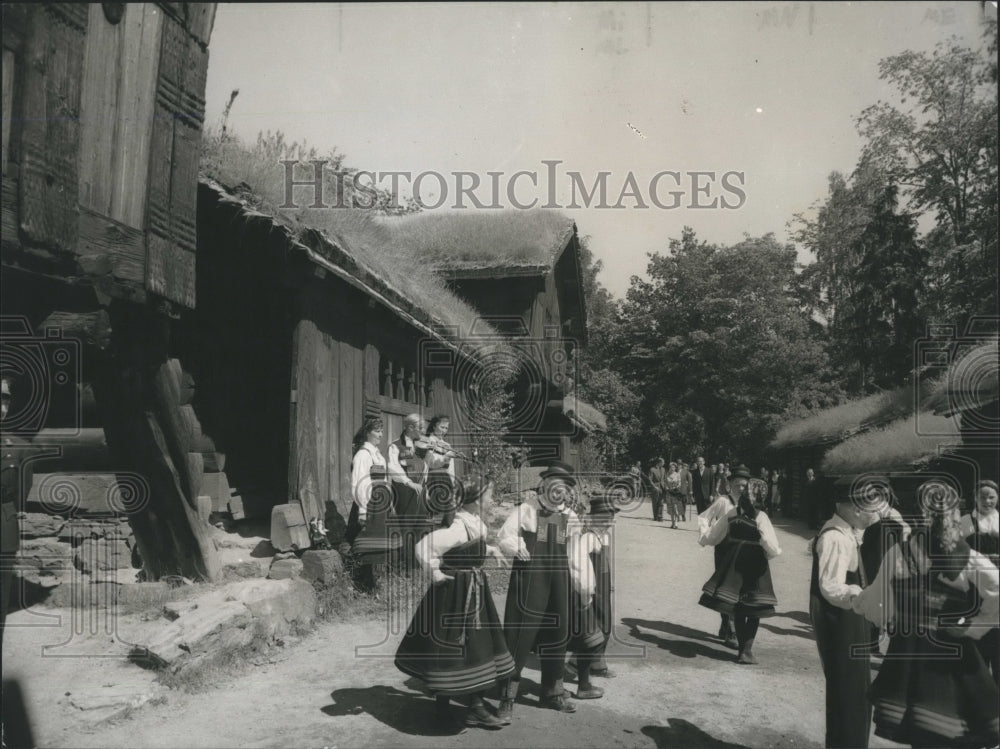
(981, 530)
(455, 641)
(741, 585)
(543, 576)
(717, 511)
(408, 472)
(844, 638)
(367, 528)
(592, 621)
(933, 688)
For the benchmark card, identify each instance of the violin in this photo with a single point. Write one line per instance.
(440, 447)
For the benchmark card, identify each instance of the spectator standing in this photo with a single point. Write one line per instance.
(701, 484)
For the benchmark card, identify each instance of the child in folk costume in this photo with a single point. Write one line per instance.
(592, 620)
(741, 586)
(706, 520)
(455, 641)
(933, 688)
(981, 530)
(843, 637)
(537, 615)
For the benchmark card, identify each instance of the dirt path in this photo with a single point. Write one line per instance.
(676, 686)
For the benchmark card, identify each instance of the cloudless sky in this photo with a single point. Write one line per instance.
(768, 89)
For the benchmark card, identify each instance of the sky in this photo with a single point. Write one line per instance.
(761, 98)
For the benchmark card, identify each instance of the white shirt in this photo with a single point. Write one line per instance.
(768, 539)
(838, 553)
(361, 478)
(524, 518)
(877, 603)
(711, 516)
(396, 471)
(429, 549)
(988, 525)
(436, 461)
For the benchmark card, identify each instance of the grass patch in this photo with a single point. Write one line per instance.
(902, 445)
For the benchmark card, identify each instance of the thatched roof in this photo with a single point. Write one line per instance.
(484, 244)
(584, 415)
(970, 382)
(836, 424)
(904, 445)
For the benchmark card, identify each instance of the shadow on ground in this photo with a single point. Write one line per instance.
(680, 732)
(680, 648)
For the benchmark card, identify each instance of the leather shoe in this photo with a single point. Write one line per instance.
(479, 717)
(606, 673)
(746, 657)
(559, 702)
(731, 642)
(590, 693)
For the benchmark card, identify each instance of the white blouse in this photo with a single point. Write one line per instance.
(710, 516)
(988, 525)
(768, 539)
(464, 528)
(361, 477)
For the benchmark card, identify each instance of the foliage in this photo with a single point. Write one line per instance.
(900, 446)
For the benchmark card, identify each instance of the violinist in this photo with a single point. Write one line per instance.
(439, 457)
(408, 472)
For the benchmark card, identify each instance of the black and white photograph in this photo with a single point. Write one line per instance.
(500, 374)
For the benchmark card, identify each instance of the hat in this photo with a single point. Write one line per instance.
(741, 472)
(560, 470)
(470, 490)
(868, 492)
(603, 504)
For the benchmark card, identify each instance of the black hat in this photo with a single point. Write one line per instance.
(741, 472)
(470, 490)
(869, 492)
(603, 505)
(560, 470)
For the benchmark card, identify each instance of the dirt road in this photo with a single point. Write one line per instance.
(676, 685)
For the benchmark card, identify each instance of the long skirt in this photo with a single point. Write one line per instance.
(925, 695)
(455, 642)
(741, 583)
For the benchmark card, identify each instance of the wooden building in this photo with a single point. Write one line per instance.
(103, 106)
(521, 271)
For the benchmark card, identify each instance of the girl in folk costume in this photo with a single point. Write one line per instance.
(537, 615)
(455, 642)
(933, 688)
(717, 511)
(741, 586)
(592, 619)
(843, 637)
(367, 531)
(439, 458)
(981, 530)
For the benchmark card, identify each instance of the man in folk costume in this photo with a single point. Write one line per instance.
(843, 637)
(455, 642)
(408, 472)
(593, 620)
(716, 512)
(537, 536)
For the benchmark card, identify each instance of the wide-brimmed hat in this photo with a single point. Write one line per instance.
(741, 472)
(471, 490)
(560, 470)
(603, 505)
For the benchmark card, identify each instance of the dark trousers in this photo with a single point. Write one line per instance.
(746, 628)
(989, 648)
(848, 675)
(700, 502)
(657, 504)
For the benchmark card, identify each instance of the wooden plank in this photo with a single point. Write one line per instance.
(91, 328)
(134, 125)
(8, 102)
(201, 19)
(125, 246)
(9, 225)
(53, 64)
(170, 271)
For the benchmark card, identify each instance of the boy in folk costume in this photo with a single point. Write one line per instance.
(455, 642)
(843, 637)
(592, 619)
(536, 536)
(717, 511)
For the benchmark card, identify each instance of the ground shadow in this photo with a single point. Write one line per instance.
(804, 633)
(802, 617)
(683, 733)
(795, 527)
(684, 648)
(670, 628)
(407, 712)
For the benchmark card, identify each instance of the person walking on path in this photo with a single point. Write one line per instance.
(657, 488)
(741, 585)
(674, 496)
(686, 487)
(455, 641)
(716, 512)
(701, 484)
(536, 536)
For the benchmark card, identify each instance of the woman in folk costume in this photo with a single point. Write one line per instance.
(741, 586)
(455, 642)
(367, 530)
(981, 530)
(543, 577)
(844, 638)
(717, 511)
(933, 688)
(592, 619)
(439, 458)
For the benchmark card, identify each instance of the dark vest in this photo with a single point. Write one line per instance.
(413, 465)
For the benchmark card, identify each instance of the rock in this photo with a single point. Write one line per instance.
(96, 554)
(45, 555)
(322, 566)
(288, 528)
(76, 531)
(136, 594)
(284, 555)
(39, 524)
(243, 569)
(283, 569)
(111, 701)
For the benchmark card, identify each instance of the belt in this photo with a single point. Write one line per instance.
(472, 599)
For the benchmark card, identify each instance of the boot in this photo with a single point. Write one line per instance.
(554, 698)
(479, 717)
(585, 690)
(746, 654)
(508, 693)
(446, 720)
